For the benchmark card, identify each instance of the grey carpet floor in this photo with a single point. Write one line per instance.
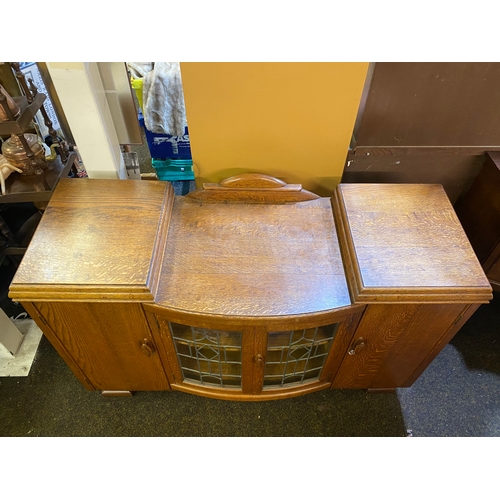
(458, 395)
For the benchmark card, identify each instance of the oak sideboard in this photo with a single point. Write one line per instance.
(250, 289)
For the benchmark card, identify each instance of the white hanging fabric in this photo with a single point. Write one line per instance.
(163, 99)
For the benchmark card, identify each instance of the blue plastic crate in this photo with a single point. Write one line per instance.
(167, 146)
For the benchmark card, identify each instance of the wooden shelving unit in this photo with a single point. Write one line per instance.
(36, 188)
(28, 112)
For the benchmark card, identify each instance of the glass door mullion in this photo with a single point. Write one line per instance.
(254, 348)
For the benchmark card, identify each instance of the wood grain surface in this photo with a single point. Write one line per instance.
(95, 241)
(399, 339)
(252, 267)
(104, 340)
(252, 181)
(47, 330)
(252, 188)
(453, 168)
(252, 259)
(404, 242)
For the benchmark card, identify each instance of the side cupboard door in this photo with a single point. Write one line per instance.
(394, 343)
(109, 345)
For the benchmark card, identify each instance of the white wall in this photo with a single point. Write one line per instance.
(80, 90)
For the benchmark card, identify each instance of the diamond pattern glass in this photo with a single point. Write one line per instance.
(208, 357)
(296, 356)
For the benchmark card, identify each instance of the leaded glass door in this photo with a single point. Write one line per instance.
(249, 361)
(297, 356)
(208, 357)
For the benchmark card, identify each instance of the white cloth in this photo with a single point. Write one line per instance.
(5, 170)
(139, 69)
(163, 99)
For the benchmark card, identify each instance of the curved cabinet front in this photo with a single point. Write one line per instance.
(244, 359)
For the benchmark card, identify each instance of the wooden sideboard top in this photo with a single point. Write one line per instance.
(404, 242)
(249, 247)
(95, 241)
(251, 259)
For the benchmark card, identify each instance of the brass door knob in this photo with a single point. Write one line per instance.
(147, 348)
(259, 359)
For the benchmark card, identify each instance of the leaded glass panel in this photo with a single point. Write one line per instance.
(208, 357)
(297, 355)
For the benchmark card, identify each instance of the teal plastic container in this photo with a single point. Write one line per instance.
(173, 169)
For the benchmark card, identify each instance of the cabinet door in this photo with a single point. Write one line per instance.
(393, 344)
(297, 356)
(250, 362)
(205, 361)
(208, 357)
(109, 343)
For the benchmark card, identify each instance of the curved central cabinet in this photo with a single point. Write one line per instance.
(252, 301)
(231, 359)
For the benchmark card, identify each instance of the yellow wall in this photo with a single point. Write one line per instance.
(290, 120)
